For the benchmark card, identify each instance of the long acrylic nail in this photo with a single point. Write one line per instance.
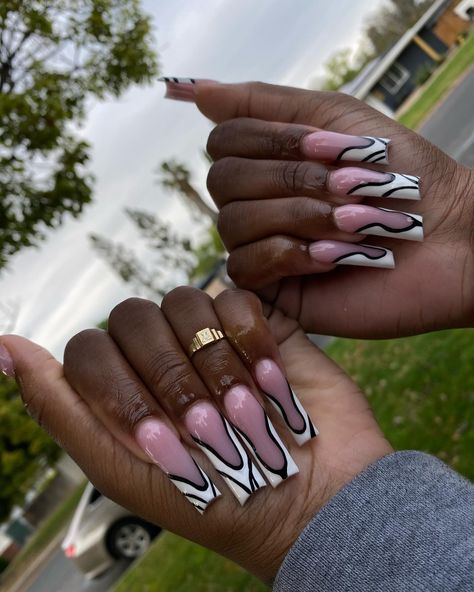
(182, 89)
(6, 362)
(364, 219)
(219, 441)
(275, 386)
(165, 449)
(351, 254)
(251, 421)
(357, 181)
(324, 145)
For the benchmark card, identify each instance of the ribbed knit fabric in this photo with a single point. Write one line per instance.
(405, 524)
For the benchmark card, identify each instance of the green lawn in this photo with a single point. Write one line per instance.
(176, 565)
(43, 535)
(440, 85)
(422, 391)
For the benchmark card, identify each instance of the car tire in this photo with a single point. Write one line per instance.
(130, 538)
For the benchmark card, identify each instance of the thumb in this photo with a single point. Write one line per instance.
(270, 102)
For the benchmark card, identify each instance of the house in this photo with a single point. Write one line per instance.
(386, 82)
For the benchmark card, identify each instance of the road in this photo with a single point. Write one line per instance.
(451, 126)
(60, 575)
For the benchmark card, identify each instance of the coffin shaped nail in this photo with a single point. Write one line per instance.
(357, 181)
(342, 253)
(181, 89)
(220, 443)
(323, 145)
(253, 424)
(364, 219)
(275, 386)
(165, 449)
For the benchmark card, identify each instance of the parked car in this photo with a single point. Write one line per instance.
(101, 532)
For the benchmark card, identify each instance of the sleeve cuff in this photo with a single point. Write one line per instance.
(406, 523)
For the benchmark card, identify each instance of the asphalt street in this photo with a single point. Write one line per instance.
(60, 575)
(451, 127)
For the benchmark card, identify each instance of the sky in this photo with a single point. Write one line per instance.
(63, 287)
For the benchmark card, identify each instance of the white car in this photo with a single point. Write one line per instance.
(101, 532)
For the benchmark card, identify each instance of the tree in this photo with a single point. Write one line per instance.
(392, 20)
(24, 448)
(54, 56)
(167, 257)
(342, 67)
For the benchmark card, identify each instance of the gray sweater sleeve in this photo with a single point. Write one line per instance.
(405, 524)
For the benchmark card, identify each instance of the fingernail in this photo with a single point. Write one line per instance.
(275, 386)
(165, 449)
(356, 181)
(334, 146)
(364, 219)
(6, 362)
(182, 89)
(351, 254)
(252, 423)
(220, 443)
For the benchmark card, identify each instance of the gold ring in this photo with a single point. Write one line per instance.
(205, 337)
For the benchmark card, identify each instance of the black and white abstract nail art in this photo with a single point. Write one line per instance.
(200, 495)
(396, 185)
(220, 443)
(370, 149)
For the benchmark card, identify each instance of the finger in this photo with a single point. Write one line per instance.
(245, 326)
(150, 346)
(190, 311)
(235, 178)
(241, 223)
(267, 261)
(122, 403)
(253, 138)
(58, 409)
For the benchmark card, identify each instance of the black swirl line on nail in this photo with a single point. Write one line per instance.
(252, 484)
(372, 142)
(366, 255)
(392, 179)
(414, 224)
(283, 472)
(285, 416)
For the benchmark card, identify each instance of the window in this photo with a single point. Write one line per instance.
(393, 80)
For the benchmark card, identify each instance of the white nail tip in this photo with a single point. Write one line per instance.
(360, 259)
(243, 480)
(399, 186)
(199, 497)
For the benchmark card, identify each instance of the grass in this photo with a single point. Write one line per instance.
(421, 389)
(422, 392)
(45, 533)
(455, 66)
(176, 565)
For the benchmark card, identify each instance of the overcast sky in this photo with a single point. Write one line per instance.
(63, 287)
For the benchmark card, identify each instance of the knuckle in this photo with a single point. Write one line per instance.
(218, 175)
(293, 176)
(168, 372)
(80, 343)
(180, 296)
(236, 297)
(214, 141)
(129, 308)
(218, 360)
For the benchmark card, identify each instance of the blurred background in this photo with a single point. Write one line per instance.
(103, 196)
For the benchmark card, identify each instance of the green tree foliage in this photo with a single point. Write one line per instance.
(54, 56)
(24, 448)
(342, 67)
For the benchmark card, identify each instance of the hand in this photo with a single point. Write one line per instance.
(275, 201)
(134, 388)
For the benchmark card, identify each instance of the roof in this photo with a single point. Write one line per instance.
(371, 74)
